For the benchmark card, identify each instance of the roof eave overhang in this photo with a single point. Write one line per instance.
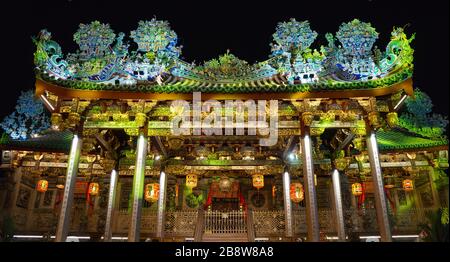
(69, 93)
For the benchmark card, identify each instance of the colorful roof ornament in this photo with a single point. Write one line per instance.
(357, 38)
(294, 66)
(93, 39)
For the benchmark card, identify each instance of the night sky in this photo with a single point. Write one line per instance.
(207, 29)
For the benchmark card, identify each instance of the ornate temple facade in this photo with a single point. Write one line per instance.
(307, 145)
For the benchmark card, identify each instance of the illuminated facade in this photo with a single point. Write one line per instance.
(121, 165)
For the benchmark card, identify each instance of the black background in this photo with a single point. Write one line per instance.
(207, 29)
(282, 252)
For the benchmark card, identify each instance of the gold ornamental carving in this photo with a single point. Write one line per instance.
(316, 131)
(307, 118)
(73, 119)
(56, 120)
(348, 116)
(341, 163)
(392, 119)
(140, 119)
(131, 131)
(373, 119)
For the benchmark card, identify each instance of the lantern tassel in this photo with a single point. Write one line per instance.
(243, 203)
(208, 200)
(89, 201)
(362, 197)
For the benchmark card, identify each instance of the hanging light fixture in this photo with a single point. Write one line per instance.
(60, 182)
(296, 192)
(93, 189)
(408, 185)
(191, 180)
(151, 193)
(357, 189)
(42, 185)
(388, 183)
(258, 181)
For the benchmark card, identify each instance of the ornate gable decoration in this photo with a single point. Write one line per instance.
(156, 36)
(293, 36)
(357, 38)
(94, 39)
(105, 61)
(226, 66)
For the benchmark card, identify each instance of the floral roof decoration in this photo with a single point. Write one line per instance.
(105, 61)
(357, 37)
(226, 66)
(94, 39)
(155, 36)
(292, 55)
(293, 35)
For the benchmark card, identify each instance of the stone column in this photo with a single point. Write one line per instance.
(138, 189)
(111, 202)
(380, 197)
(337, 199)
(312, 213)
(287, 205)
(17, 177)
(161, 205)
(71, 177)
(434, 191)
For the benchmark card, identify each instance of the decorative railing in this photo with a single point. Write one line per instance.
(272, 223)
(268, 223)
(299, 221)
(362, 220)
(148, 221)
(409, 221)
(327, 220)
(250, 227)
(176, 222)
(121, 221)
(19, 217)
(43, 219)
(200, 226)
(265, 223)
(232, 222)
(181, 222)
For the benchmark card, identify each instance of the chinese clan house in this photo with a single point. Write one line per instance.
(308, 145)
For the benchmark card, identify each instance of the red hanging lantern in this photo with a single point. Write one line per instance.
(258, 181)
(408, 185)
(357, 189)
(296, 192)
(93, 189)
(151, 193)
(191, 180)
(42, 186)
